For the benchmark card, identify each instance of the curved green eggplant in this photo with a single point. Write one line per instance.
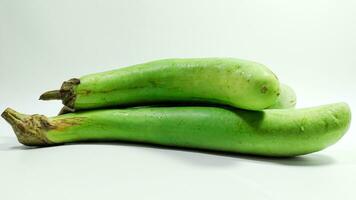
(272, 132)
(227, 81)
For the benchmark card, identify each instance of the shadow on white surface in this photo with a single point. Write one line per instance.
(313, 160)
(191, 156)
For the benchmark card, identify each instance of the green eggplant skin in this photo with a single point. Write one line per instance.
(227, 81)
(271, 132)
(286, 99)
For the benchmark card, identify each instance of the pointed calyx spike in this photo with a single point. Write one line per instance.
(65, 110)
(51, 95)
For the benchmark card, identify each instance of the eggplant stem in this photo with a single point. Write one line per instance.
(29, 129)
(51, 95)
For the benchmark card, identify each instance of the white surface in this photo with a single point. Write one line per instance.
(310, 45)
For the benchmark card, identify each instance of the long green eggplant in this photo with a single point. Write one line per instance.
(286, 99)
(272, 132)
(228, 81)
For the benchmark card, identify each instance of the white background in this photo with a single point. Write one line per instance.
(309, 44)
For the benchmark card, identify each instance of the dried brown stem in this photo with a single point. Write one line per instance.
(29, 129)
(51, 95)
(66, 93)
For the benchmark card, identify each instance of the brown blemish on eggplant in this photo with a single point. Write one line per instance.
(61, 124)
(264, 89)
(85, 92)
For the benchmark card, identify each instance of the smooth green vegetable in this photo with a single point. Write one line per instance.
(272, 132)
(286, 99)
(228, 81)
